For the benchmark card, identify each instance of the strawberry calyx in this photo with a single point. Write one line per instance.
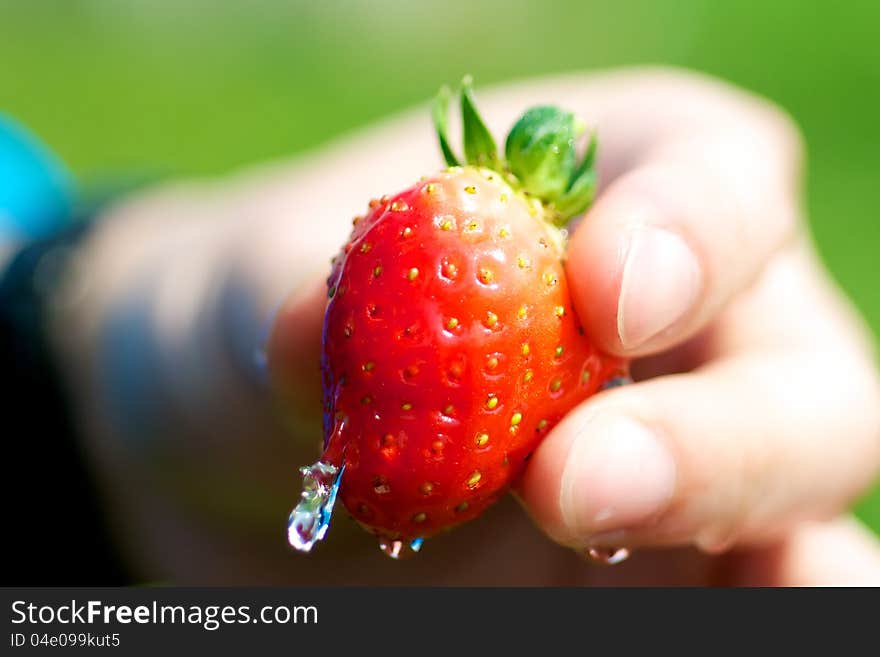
(540, 153)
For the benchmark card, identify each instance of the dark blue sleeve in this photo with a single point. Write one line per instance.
(58, 528)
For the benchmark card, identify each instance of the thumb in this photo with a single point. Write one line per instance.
(294, 348)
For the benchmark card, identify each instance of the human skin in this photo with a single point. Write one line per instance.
(754, 424)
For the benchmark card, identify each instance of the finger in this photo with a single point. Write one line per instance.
(784, 430)
(736, 452)
(674, 238)
(294, 348)
(838, 553)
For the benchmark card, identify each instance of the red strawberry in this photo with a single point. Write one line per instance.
(451, 346)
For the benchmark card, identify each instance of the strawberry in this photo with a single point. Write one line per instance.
(451, 346)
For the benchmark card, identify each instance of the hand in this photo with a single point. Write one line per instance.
(754, 423)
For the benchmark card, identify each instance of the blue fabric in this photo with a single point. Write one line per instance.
(36, 191)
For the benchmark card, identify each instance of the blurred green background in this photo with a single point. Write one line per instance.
(201, 87)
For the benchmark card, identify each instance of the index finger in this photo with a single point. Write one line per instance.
(696, 212)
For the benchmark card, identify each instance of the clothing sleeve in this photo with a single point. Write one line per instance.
(53, 522)
(36, 190)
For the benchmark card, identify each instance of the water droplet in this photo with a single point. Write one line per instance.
(308, 522)
(398, 549)
(607, 556)
(391, 548)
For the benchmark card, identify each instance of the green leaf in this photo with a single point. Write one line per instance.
(587, 163)
(582, 187)
(479, 146)
(540, 151)
(440, 114)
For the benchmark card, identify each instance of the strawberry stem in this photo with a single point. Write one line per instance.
(540, 153)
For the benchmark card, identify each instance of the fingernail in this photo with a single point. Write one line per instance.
(661, 280)
(618, 475)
